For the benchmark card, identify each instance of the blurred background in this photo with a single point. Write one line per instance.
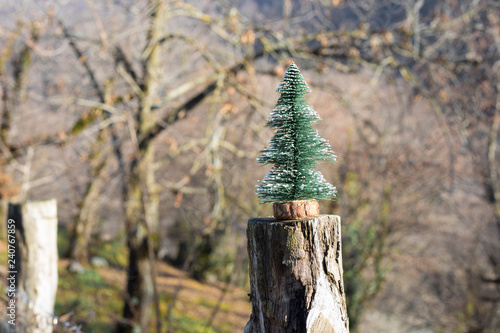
(144, 120)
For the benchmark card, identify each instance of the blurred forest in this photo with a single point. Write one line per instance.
(144, 119)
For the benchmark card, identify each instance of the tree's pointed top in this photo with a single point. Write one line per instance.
(291, 70)
(293, 81)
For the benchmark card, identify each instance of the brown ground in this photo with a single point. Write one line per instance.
(230, 309)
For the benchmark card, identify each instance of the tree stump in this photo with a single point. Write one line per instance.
(296, 276)
(36, 264)
(4, 207)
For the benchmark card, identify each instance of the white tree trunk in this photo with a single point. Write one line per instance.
(36, 261)
(296, 276)
(3, 219)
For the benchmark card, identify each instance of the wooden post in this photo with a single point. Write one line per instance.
(296, 276)
(36, 263)
(3, 219)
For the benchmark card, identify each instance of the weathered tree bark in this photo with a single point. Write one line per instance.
(85, 222)
(142, 195)
(142, 219)
(296, 276)
(87, 219)
(36, 263)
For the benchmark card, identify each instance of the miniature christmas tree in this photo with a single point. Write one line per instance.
(295, 147)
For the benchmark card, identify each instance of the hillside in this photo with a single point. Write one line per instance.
(94, 299)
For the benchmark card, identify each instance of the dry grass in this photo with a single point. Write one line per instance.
(95, 298)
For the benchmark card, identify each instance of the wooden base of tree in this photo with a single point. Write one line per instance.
(296, 209)
(296, 276)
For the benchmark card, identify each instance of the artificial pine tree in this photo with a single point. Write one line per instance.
(308, 300)
(295, 147)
